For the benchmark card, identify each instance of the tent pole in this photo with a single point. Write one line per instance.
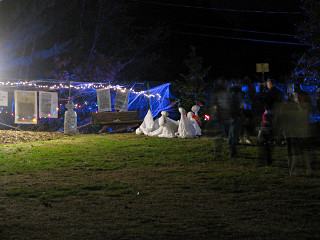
(149, 99)
(69, 90)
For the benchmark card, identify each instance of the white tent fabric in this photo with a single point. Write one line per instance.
(195, 109)
(170, 127)
(159, 130)
(195, 123)
(148, 125)
(186, 128)
(164, 126)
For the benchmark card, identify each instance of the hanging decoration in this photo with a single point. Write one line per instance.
(121, 103)
(3, 98)
(48, 104)
(104, 100)
(54, 85)
(137, 97)
(25, 107)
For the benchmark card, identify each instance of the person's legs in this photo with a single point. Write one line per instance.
(233, 137)
(306, 149)
(219, 128)
(268, 151)
(289, 150)
(265, 150)
(296, 154)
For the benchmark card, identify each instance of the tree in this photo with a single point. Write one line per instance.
(24, 45)
(87, 40)
(308, 65)
(106, 44)
(192, 88)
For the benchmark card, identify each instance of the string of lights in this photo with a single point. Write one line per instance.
(215, 9)
(235, 38)
(85, 102)
(76, 86)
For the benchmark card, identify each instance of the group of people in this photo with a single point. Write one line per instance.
(288, 117)
(285, 116)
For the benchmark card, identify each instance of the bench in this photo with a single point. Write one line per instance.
(117, 121)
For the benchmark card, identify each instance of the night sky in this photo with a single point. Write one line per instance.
(231, 36)
(218, 34)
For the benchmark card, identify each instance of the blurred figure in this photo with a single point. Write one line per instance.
(237, 98)
(247, 122)
(273, 96)
(269, 130)
(302, 97)
(225, 109)
(295, 122)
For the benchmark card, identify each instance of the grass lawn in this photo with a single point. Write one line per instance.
(124, 186)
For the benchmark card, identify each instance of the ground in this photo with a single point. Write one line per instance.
(124, 186)
(12, 136)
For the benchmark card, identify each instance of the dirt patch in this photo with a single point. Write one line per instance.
(11, 136)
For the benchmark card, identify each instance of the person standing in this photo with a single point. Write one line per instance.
(273, 97)
(272, 101)
(224, 107)
(299, 139)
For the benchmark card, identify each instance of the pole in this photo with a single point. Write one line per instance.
(149, 99)
(69, 90)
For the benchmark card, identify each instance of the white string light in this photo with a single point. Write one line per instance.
(82, 86)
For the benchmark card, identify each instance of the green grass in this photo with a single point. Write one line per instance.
(56, 193)
(124, 186)
(103, 153)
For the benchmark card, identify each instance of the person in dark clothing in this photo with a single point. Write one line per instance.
(302, 97)
(237, 97)
(225, 109)
(273, 96)
(269, 129)
(297, 129)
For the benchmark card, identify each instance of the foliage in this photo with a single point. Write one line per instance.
(308, 66)
(105, 44)
(73, 40)
(26, 27)
(191, 88)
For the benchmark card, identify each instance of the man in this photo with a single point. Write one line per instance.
(273, 97)
(272, 100)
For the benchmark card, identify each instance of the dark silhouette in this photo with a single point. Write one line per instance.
(294, 120)
(269, 130)
(225, 110)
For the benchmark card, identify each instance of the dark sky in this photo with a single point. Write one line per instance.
(217, 34)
